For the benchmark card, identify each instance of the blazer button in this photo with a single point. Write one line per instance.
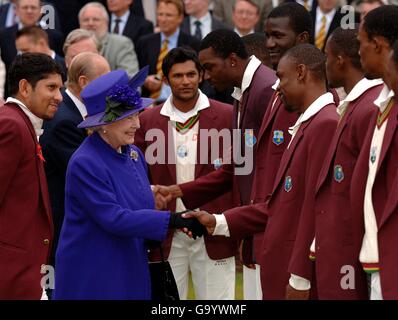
(251, 201)
(46, 242)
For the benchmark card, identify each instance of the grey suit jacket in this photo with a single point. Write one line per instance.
(120, 53)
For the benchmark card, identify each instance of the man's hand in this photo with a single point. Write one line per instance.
(152, 83)
(206, 219)
(161, 200)
(172, 191)
(293, 294)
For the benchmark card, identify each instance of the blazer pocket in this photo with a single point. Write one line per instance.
(7, 246)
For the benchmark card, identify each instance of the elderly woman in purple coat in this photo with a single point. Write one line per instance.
(109, 205)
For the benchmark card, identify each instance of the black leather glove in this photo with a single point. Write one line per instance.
(192, 224)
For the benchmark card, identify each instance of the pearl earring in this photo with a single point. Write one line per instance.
(104, 131)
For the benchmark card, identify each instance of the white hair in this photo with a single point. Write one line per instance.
(95, 5)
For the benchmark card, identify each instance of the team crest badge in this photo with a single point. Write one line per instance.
(288, 184)
(182, 151)
(250, 139)
(338, 173)
(278, 138)
(217, 163)
(134, 155)
(373, 154)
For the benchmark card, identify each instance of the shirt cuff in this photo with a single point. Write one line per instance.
(221, 228)
(299, 283)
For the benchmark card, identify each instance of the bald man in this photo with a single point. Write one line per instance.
(62, 137)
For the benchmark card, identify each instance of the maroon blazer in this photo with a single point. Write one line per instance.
(294, 184)
(26, 226)
(218, 116)
(254, 104)
(336, 243)
(272, 142)
(382, 191)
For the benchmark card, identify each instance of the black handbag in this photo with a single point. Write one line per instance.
(164, 287)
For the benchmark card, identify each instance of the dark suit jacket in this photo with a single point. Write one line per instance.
(3, 14)
(148, 49)
(135, 28)
(215, 25)
(26, 224)
(384, 199)
(219, 117)
(9, 51)
(338, 244)
(60, 140)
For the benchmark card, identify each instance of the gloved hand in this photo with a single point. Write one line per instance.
(192, 224)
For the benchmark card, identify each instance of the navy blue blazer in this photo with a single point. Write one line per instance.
(59, 141)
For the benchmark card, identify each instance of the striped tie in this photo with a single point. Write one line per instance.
(321, 36)
(162, 55)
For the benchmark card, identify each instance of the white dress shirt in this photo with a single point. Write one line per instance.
(248, 75)
(122, 23)
(205, 26)
(80, 105)
(329, 17)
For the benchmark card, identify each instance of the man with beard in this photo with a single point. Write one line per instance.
(174, 137)
(287, 26)
(377, 164)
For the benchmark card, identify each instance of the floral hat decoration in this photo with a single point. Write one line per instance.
(112, 97)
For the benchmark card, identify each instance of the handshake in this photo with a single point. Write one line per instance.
(164, 194)
(193, 223)
(191, 226)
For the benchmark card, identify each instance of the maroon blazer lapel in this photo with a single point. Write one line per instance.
(243, 106)
(207, 121)
(39, 166)
(287, 155)
(389, 134)
(330, 156)
(391, 205)
(269, 114)
(166, 126)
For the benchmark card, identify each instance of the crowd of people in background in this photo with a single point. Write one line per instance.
(312, 101)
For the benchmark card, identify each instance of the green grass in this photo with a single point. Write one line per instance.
(238, 286)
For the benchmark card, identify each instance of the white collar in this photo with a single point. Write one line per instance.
(358, 90)
(312, 110)
(248, 75)
(170, 111)
(242, 35)
(329, 16)
(276, 84)
(122, 18)
(80, 105)
(203, 20)
(384, 98)
(37, 122)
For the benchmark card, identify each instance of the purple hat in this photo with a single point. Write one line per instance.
(113, 97)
